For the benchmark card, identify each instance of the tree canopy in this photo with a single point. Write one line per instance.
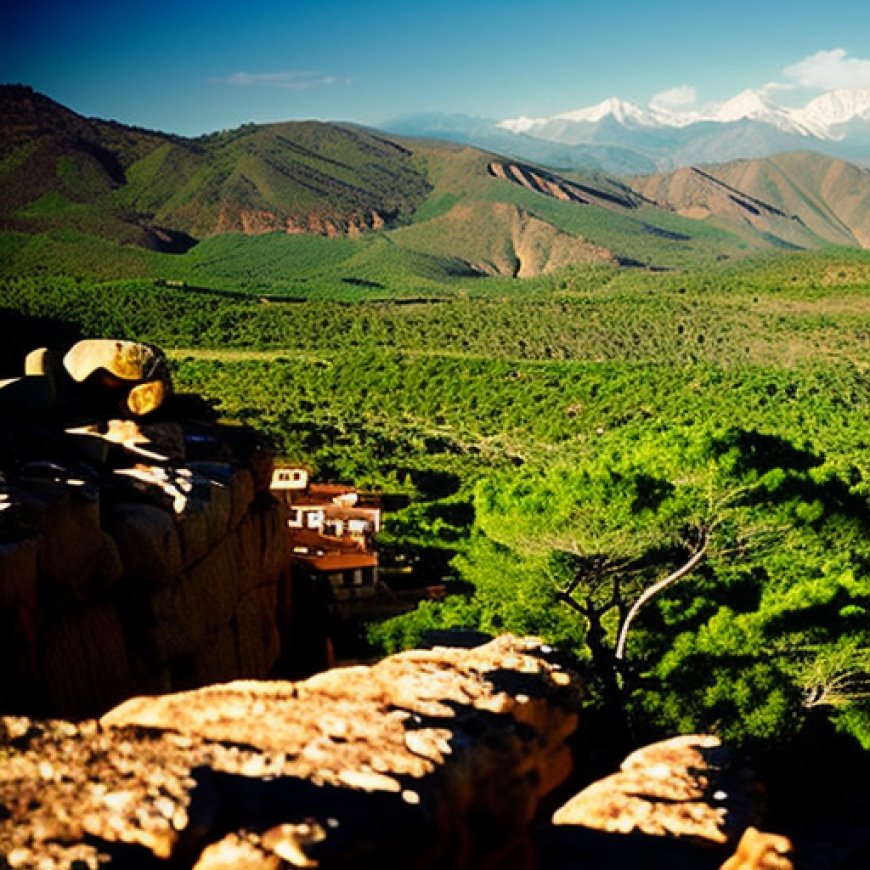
(713, 578)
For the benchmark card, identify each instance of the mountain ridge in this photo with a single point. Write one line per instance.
(60, 168)
(819, 117)
(429, 208)
(616, 135)
(796, 195)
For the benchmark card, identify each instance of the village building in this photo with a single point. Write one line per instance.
(331, 529)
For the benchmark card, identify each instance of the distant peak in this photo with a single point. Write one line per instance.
(746, 104)
(839, 106)
(819, 118)
(621, 110)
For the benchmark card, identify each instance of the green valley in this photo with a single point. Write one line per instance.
(587, 389)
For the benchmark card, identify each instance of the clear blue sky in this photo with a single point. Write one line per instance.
(192, 67)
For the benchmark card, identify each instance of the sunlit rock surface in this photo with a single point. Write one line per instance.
(445, 758)
(427, 759)
(683, 787)
(686, 802)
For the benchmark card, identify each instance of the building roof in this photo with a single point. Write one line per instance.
(319, 543)
(337, 561)
(331, 491)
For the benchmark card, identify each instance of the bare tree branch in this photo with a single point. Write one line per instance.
(650, 592)
(565, 596)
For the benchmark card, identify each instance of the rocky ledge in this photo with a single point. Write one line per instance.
(429, 759)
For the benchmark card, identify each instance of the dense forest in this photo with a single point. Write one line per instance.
(664, 474)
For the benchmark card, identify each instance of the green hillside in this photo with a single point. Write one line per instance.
(61, 171)
(576, 392)
(634, 401)
(309, 208)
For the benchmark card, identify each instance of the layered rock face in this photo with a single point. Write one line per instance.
(139, 547)
(257, 222)
(441, 758)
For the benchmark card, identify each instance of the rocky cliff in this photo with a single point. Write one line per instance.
(140, 549)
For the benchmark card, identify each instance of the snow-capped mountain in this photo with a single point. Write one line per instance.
(752, 106)
(835, 108)
(619, 110)
(819, 118)
(624, 138)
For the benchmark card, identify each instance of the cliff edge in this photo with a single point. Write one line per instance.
(442, 758)
(140, 550)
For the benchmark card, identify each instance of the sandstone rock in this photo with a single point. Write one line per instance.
(339, 771)
(148, 543)
(248, 541)
(175, 620)
(146, 397)
(108, 568)
(218, 479)
(85, 665)
(258, 642)
(134, 375)
(176, 487)
(214, 659)
(20, 620)
(42, 361)
(125, 360)
(683, 787)
(68, 554)
(18, 572)
(241, 495)
(216, 582)
(294, 228)
(273, 539)
(154, 441)
(255, 222)
(112, 539)
(760, 851)
(236, 852)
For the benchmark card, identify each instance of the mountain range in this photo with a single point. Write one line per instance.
(618, 136)
(380, 204)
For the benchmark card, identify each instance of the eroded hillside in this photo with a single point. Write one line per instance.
(799, 199)
(388, 209)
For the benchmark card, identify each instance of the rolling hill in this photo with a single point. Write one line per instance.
(339, 203)
(58, 169)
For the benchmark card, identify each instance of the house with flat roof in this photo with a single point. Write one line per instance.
(331, 529)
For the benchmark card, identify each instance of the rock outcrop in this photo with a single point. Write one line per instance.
(684, 802)
(140, 549)
(256, 222)
(610, 193)
(428, 759)
(682, 787)
(442, 758)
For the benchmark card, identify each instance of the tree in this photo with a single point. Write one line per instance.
(730, 513)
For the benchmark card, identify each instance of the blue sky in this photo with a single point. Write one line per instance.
(192, 67)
